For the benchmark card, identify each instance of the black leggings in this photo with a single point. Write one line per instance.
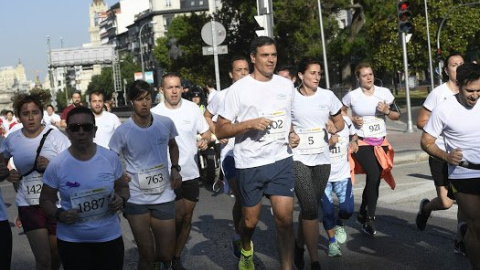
(92, 256)
(5, 245)
(366, 157)
(310, 182)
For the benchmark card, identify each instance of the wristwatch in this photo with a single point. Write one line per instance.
(176, 167)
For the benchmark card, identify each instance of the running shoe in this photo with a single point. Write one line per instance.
(422, 216)
(459, 248)
(177, 264)
(298, 259)
(237, 247)
(361, 217)
(315, 266)
(246, 260)
(334, 250)
(369, 227)
(217, 186)
(340, 234)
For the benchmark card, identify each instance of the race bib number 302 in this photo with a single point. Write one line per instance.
(32, 186)
(312, 141)
(277, 128)
(92, 203)
(153, 180)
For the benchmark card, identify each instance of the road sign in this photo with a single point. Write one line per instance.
(223, 49)
(207, 33)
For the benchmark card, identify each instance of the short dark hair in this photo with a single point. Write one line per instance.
(452, 54)
(20, 99)
(172, 75)
(80, 110)
(361, 66)
(306, 62)
(259, 42)
(467, 73)
(237, 58)
(137, 88)
(51, 106)
(77, 92)
(97, 93)
(289, 68)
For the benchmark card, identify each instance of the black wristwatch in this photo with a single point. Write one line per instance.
(176, 167)
(57, 214)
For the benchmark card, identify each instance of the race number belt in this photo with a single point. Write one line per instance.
(153, 180)
(276, 130)
(32, 186)
(338, 152)
(312, 141)
(92, 203)
(374, 127)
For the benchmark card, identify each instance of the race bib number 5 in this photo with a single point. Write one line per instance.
(92, 203)
(32, 186)
(276, 130)
(312, 141)
(374, 127)
(153, 180)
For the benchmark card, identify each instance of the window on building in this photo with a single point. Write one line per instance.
(168, 3)
(200, 3)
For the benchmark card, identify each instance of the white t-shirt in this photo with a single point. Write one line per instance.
(366, 106)
(189, 122)
(310, 114)
(23, 150)
(87, 186)
(214, 107)
(146, 152)
(249, 99)
(51, 119)
(461, 129)
(107, 123)
(437, 96)
(340, 169)
(211, 95)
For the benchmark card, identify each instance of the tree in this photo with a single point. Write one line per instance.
(44, 93)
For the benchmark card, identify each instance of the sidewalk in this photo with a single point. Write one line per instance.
(406, 144)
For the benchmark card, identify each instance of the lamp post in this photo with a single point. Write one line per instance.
(141, 46)
(325, 68)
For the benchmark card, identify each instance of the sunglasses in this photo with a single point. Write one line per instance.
(87, 127)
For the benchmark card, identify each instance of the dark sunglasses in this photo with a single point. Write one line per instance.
(87, 127)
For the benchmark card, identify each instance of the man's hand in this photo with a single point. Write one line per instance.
(116, 203)
(4, 172)
(261, 123)
(175, 179)
(202, 144)
(42, 163)
(455, 157)
(14, 177)
(293, 139)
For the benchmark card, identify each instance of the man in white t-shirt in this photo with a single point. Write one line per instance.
(238, 69)
(439, 168)
(50, 117)
(107, 122)
(189, 123)
(257, 112)
(458, 120)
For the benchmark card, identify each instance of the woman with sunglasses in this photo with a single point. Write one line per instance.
(92, 190)
(371, 105)
(31, 149)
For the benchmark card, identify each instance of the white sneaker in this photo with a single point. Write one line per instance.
(340, 234)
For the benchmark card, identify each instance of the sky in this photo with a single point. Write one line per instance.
(25, 25)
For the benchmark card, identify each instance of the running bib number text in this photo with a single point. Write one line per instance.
(92, 203)
(153, 180)
(338, 152)
(312, 141)
(374, 127)
(276, 130)
(32, 186)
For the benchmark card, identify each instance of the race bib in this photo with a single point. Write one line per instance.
(92, 203)
(153, 180)
(312, 141)
(338, 152)
(32, 186)
(374, 127)
(277, 129)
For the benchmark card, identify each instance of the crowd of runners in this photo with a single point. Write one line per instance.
(280, 136)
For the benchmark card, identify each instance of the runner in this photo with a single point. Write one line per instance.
(439, 168)
(340, 183)
(257, 111)
(89, 181)
(106, 121)
(370, 106)
(145, 140)
(31, 157)
(189, 122)
(5, 233)
(238, 69)
(312, 108)
(458, 120)
(76, 101)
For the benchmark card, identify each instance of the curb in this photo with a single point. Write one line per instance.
(410, 157)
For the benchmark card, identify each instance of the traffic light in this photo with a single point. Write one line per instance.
(404, 24)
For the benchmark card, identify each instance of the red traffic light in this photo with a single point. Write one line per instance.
(403, 13)
(403, 5)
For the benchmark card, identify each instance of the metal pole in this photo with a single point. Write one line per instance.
(325, 63)
(432, 85)
(215, 54)
(141, 50)
(52, 83)
(407, 88)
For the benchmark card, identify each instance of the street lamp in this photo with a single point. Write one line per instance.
(141, 45)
